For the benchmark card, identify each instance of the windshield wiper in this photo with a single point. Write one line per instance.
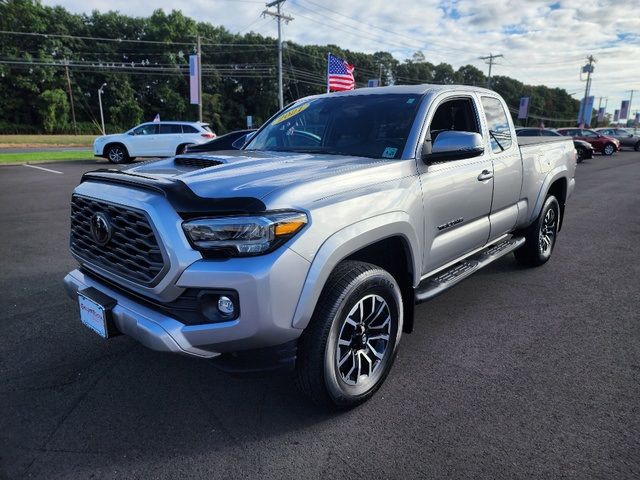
(494, 134)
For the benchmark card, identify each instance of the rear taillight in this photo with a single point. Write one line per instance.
(208, 135)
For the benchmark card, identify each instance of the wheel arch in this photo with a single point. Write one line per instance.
(388, 241)
(111, 144)
(556, 183)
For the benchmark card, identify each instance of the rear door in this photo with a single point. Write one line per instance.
(457, 193)
(169, 139)
(507, 165)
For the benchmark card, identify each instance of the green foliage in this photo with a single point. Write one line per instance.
(53, 110)
(238, 80)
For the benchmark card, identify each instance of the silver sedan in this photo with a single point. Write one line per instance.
(627, 139)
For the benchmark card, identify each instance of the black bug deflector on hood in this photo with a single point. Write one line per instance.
(179, 195)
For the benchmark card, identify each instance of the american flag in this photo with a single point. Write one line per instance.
(340, 74)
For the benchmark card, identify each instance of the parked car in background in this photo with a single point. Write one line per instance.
(584, 149)
(626, 137)
(152, 139)
(600, 143)
(229, 141)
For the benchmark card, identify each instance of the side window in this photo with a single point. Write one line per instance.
(188, 129)
(498, 124)
(588, 133)
(170, 128)
(527, 133)
(149, 129)
(548, 133)
(606, 132)
(459, 115)
(620, 133)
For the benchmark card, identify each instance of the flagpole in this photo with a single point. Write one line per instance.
(328, 56)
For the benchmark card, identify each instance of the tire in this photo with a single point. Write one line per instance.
(342, 337)
(117, 153)
(540, 236)
(609, 149)
(582, 153)
(636, 147)
(182, 148)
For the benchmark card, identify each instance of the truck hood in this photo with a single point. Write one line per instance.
(257, 174)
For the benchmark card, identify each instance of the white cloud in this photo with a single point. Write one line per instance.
(543, 42)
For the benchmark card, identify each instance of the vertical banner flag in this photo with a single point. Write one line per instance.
(156, 118)
(624, 110)
(586, 110)
(193, 80)
(637, 117)
(616, 115)
(523, 111)
(601, 114)
(339, 74)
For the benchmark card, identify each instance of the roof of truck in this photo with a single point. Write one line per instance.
(412, 89)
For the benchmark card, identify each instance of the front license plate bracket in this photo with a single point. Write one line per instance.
(104, 304)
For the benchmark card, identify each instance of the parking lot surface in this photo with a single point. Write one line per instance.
(514, 373)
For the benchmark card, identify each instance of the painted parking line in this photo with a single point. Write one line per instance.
(42, 168)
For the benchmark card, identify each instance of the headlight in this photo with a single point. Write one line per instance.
(244, 235)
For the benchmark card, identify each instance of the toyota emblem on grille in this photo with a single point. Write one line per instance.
(101, 228)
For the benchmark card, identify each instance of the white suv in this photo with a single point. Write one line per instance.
(153, 139)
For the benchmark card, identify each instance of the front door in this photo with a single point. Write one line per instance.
(457, 194)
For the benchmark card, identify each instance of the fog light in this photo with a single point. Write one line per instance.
(226, 306)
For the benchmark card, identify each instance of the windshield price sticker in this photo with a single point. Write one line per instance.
(290, 113)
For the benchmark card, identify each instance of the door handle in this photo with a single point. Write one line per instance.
(485, 175)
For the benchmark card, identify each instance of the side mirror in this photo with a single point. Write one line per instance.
(452, 145)
(131, 133)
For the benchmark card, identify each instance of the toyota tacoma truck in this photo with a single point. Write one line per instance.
(308, 249)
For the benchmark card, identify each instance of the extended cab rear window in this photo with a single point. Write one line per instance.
(497, 123)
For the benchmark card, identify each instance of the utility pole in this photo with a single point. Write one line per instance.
(491, 58)
(589, 69)
(100, 92)
(73, 109)
(278, 14)
(199, 78)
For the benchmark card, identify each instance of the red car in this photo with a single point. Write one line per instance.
(601, 143)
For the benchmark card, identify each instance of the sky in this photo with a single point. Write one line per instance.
(542, 42)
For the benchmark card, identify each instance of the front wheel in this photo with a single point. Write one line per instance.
(540, 237)
(346, 352)
(117, 154)
(582, 154)
(609, 149)
(636, 147)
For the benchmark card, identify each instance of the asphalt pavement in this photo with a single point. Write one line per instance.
(514, 373)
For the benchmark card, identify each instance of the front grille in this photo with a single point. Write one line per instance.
(131, 252)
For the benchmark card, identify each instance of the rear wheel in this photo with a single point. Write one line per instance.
(117, 154)
(541, 235)
(609, 149)
(182, 148)
(582, 154)
(636, 147)
(346, 352)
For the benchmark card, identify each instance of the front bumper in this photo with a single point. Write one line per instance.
(267, 294)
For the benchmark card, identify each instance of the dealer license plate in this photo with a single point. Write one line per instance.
(93, 315)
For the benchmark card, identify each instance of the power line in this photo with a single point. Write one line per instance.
(125, 40)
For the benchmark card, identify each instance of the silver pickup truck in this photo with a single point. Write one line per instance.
(308, 249)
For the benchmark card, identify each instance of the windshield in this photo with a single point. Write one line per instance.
(373, 126)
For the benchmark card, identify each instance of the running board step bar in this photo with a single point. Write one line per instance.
(432, 286)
